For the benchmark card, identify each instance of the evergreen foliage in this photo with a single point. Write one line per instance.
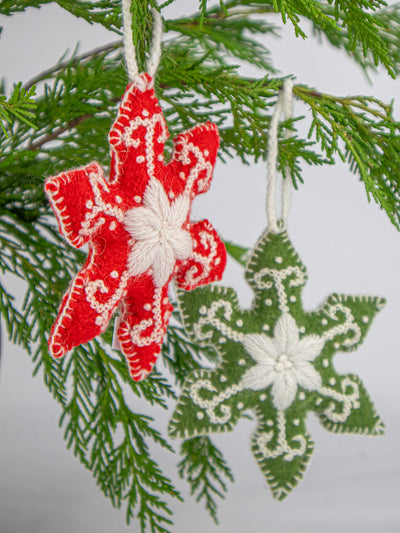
(19, 105)
(60, 119)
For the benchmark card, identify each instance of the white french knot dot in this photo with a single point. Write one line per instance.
(89, 204)
(222, 379)
(140, 159)
(147, 307)
(113, 225)
(137, 199)
(160, 157)
(171, 195)
(240, 405)
(278, 259)
(145, 113)
(114, 274)
(263, 397)
(200, 415)
(98, 320)
(270, 422)
(118, 199)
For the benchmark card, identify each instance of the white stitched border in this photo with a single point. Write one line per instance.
(282, 447)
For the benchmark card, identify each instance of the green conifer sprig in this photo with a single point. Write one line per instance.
(104, 12)
(19, 106)
(388, 28)
(368, 30)
(227, 35)
(363, 132)
(205, 468)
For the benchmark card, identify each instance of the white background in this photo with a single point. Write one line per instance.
(347, 244)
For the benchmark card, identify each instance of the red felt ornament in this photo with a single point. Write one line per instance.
(136, 225)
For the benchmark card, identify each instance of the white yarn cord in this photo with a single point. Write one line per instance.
(155, 51)
(285, 105)
(129, 47)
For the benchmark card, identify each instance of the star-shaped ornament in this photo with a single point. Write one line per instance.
(136, 225)
(276, 362)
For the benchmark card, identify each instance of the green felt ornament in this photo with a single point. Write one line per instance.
(276, 362)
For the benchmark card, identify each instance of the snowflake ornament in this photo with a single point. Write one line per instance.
(276, 362)
(136, 225)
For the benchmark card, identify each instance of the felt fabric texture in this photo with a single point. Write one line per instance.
(275, 363)
(136, 225)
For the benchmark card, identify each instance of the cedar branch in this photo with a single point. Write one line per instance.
(63, 64)
(59, 131)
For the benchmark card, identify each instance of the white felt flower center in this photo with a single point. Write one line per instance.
(283, 361)
(158, 237)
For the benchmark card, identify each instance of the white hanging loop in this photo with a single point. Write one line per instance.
(129, 47)
(284, 105)
(155, 51)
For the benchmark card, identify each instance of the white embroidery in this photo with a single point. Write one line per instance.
(157, 333)
(210, 405)
(282, 447)
(158, 239)
(125, 135)
(201, 164)
(342, 329)
(91, 223)
(279, 276)
(195, 275)
(348, 401)
(283, 362)
(103, 309)
(219, 325)
(185, 149)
